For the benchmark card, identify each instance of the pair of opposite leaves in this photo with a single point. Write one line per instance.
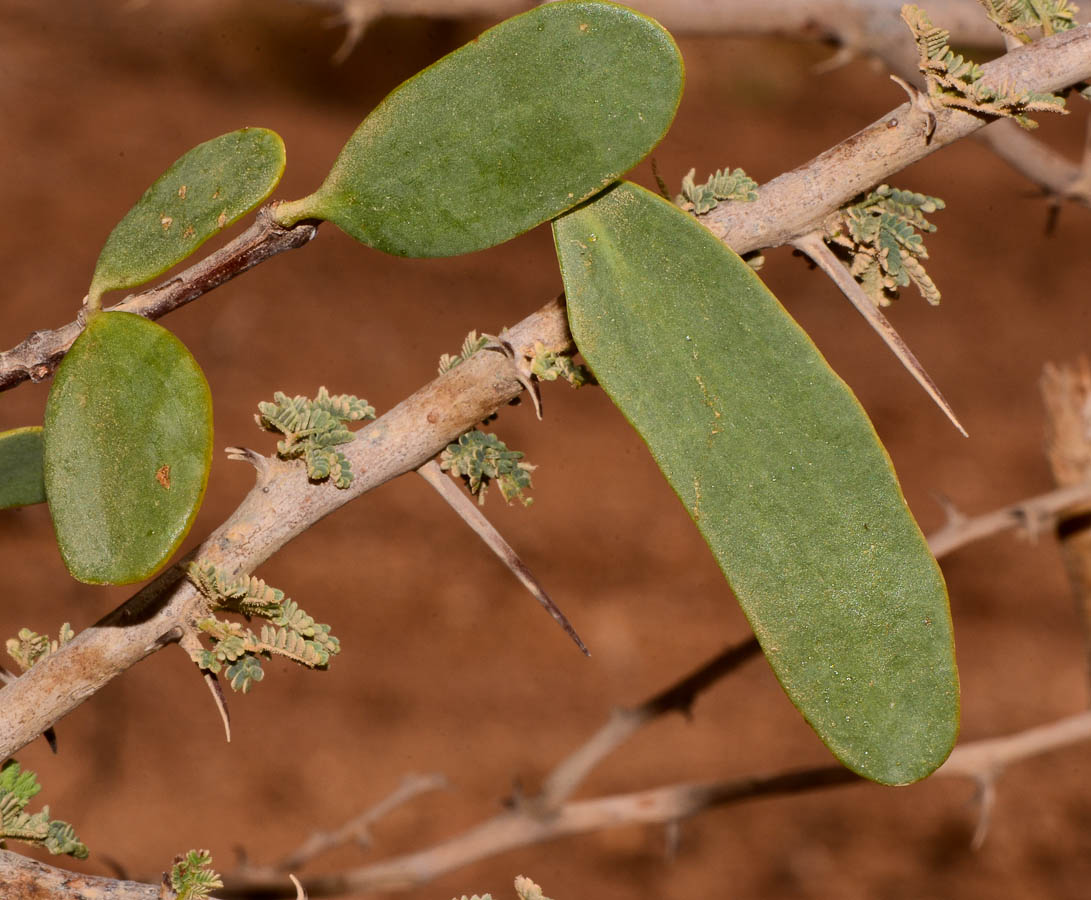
(767, 448)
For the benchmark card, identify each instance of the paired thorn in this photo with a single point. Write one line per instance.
(522, 371)
(816, 250)
(469, 513)
(921, 103)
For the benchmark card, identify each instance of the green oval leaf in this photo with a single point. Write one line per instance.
(782, 472)
(211, 186)
(21, 481)
(128, 446)
(535, 116)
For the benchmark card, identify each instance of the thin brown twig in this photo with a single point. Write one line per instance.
(357, 829)
(623, 723)
(38, 356)
(1033, 515)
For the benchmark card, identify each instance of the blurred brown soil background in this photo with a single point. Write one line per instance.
(447, 665)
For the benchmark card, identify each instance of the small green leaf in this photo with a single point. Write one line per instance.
(211, 186)
(21, 481)
(528, 120)
(128, 446)
(782, 472)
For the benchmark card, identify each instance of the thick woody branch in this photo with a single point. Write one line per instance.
(798, 202)
(282, 505)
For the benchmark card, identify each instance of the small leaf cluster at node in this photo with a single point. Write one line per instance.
(472, 343)
(236, 650)
(29, 647)
(880, 233)
(482, 458)
(958, 82)
(545, 365)
(313, 428)
(723, 185)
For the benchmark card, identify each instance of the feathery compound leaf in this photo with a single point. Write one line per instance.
(531, 118)
(1017, 17)
(312, 428)
(472, 343)
(292, 632)
(21, 480)
(192, 876)
(29, 647)
(213, 185)
(781, 471)
(957, 82)
(481, 458)
(245, 673)
(127, 448)
(17, 788)
(545, 365)
(880, 235)
(723, 185)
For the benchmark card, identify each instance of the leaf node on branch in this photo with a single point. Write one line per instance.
(290, 632)
(29, 647)
(724, 184)
(481, 458)
(545, 365)
(472, 343)
(880, 233)
(958, 82)
(312, 428)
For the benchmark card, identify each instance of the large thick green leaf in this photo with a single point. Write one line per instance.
(21, 481)
(203, 192)
(530, 119)
(782, 472)
(128, 445)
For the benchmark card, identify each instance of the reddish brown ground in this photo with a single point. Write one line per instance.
(448, 666)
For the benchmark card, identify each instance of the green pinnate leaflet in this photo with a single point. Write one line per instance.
(530, 119)
(203, 192)
(780, 469)
(127, 450)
